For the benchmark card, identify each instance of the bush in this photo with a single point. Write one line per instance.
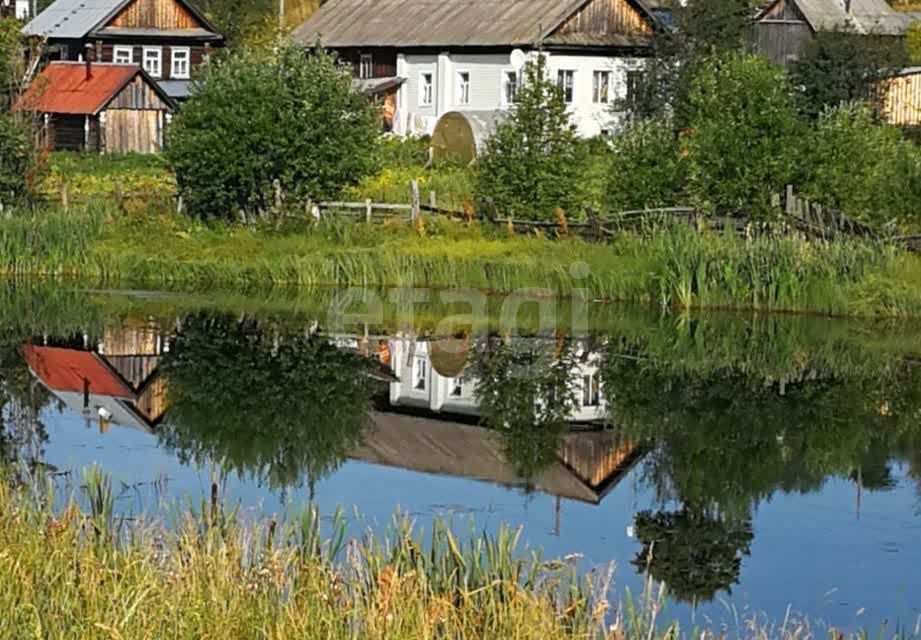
(646, 168)
(743, 137)
(19, 160)
(534, 161)
(839, 67)
(913, 40)
(259, 117)
(865, 169)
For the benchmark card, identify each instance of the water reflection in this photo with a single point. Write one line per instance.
(712, 416)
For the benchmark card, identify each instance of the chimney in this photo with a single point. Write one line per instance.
(88, 57)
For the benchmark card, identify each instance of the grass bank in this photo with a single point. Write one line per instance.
(84, 573)
(674, 268)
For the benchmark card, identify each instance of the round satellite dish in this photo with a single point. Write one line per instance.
(518, 58)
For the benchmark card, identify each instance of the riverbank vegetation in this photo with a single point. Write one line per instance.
(86, 572)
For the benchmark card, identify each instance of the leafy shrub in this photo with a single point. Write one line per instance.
(646, 168)
(19, 161)
(404, 151)
(864, 168)
(913, 41)
(259, 117)
(534, 161)
(743, 137)
(840, 66)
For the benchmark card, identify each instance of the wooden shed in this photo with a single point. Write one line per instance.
(902, 98)
(110, 108)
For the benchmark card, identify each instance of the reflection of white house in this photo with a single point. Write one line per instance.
(433, 376)
(427, 59)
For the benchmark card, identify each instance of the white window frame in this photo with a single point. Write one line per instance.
(591, 390)
(426, 89)
(121, 48)
(561, 76)
(463, 88)
(597, 98)
(457, 387)
(503, 90)
(420, 373)
(366, 66)
(188, 63)
(159, 52)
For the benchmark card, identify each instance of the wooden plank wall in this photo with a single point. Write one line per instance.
(605, 17)
(67, 132)
(781, 41)
(133, 130)
(138, 95)
(155, 14)
(595, 457)
(902, 101)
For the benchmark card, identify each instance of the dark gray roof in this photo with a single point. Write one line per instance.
(79, 18)
(435, 23)
(864, 16)
(70, 18)
(176, 89)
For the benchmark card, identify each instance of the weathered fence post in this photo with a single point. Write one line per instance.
(368, 210)
(276, 185)
(790, 201)
(414, 185)
(64, 199)
(179, 204)
(433, 202)
(594, 223)
(119, 199)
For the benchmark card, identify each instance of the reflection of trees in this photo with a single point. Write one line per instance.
(525, 390)
(22, 399)
(282, 406)
(696, 553)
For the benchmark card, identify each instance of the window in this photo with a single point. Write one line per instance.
(463, 88)
(123, 55)
(420, 373)
(565, 81)
(366, 66)
(601, 83)
(510, 87)
(457, 387)
(426, 89)
(180, 62)
(153, 59)
(591, 390)
(636, 81)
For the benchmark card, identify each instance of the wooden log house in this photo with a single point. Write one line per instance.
(168, 38)
(109, 108)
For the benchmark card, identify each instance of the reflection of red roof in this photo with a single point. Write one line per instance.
(66, 369)
(63, 87)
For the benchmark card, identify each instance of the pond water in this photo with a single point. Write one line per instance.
(752, 463)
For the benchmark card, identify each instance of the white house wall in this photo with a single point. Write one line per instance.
(487, 74)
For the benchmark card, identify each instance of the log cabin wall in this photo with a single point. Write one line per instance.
(383, 61)
(67, 132)
(606, 17)
(197, 55)
(155, 14)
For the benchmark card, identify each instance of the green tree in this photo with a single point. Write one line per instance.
(913, 42)
(864, 168)
(533, 163)
(743, 137)
(646, 168)
(20, 165)
(266, 116)
(836, 67)
(263, 401)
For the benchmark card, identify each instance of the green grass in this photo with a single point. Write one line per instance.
(73, 573)
(674, 268)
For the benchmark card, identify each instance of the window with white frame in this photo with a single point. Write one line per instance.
(426, 89)
(601, 87)
(457, 387)
(463, 88)
(122, 54)
(179, 62)
(366, 66)
(420, 373)
(510, 84)
(153, 61)
(565, 80)
(591, 390)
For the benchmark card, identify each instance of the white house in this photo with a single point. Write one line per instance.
(433, 376)
(428, 59)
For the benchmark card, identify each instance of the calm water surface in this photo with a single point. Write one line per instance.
(751, 463)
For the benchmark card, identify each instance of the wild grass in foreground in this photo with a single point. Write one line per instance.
(674, 267)
(85, 574)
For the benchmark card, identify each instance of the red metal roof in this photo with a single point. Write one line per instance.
(66, 369)
(64, 88)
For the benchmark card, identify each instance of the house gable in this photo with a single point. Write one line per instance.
(782, 11)
(604, 22)
(140, 93)
(156, 14)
